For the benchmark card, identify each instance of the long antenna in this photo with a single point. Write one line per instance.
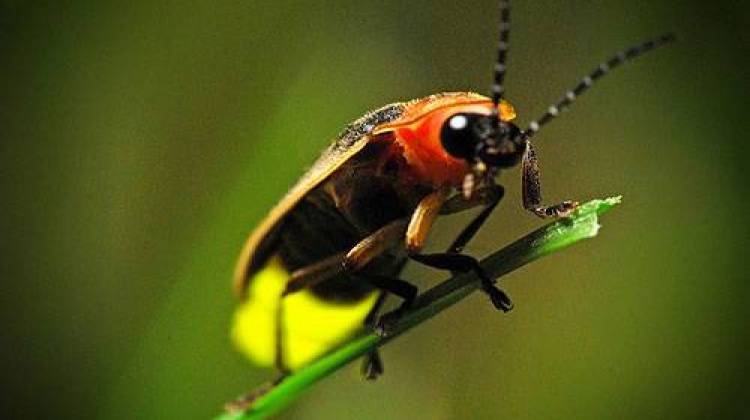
(585, 83)
(502, 52)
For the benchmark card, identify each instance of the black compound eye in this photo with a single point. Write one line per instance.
(459, 135)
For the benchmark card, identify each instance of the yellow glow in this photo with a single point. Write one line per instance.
(311, 325)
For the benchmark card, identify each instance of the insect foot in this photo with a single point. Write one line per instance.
(372, 366)
(386, 325)
(563, 209)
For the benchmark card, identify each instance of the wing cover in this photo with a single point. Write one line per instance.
(259, 246)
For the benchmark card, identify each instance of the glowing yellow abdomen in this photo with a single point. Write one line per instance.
(310, 326)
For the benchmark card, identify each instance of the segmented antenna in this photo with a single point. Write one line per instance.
(502, 51)
(585, 83)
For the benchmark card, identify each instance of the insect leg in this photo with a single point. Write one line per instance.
(246, 401)
(372, 364)
(353, 260)
(420, 224)
(375, 244)
(357, 257)
(393, 285)
(532, 189)
(422, 219)
(463, 264)
(494, 195)
(314, 273)
(487, 196)
(299, 279)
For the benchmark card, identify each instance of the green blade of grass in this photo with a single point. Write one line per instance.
(582, 224)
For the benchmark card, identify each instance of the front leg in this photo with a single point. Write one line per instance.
(532, 189)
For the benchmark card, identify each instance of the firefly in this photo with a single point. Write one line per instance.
(320, 265)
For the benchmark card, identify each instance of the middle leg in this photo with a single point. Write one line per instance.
(453, 260)
(352, 262)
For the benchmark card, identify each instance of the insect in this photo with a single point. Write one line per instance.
(320, 265)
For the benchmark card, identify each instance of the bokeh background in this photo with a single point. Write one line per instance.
(141, 141)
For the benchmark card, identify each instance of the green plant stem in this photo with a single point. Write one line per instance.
(582, 224)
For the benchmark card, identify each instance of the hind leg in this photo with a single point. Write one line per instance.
(372, 364)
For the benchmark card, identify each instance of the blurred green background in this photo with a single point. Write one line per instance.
(141, 142)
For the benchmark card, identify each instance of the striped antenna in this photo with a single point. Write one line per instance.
(585, 83)
(502, 52)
